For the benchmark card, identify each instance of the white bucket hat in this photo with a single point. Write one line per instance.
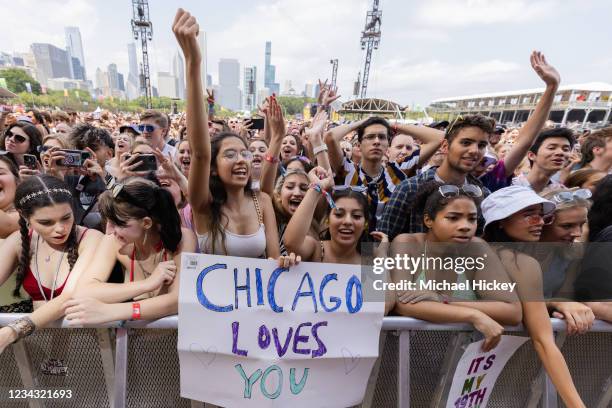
(510, 200)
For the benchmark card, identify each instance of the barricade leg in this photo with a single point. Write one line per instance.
(108, 364)
(453, 355)
(25, 371)
(403, 370)
(121, 361)
(605, 399)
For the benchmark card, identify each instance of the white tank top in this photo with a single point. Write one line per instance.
(248, 246)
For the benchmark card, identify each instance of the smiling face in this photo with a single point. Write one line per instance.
(567, 226)
(8, 185)
(183, 157)
(401, 146)
(466, 149)
(347, 221)
(132, 231)
(231, 165)
(456, 222)
(156, 137)
(123, 143)
(53, 222)
(258, 148)
(292, 192)
(525, 225)
(289, 148)
(552, 155)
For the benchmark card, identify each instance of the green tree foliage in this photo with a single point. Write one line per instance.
(16, 79)
(292, 105)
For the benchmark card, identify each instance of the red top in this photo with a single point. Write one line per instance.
(30, 284)
(158, 248)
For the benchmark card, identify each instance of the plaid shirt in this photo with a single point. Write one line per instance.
(398, 218)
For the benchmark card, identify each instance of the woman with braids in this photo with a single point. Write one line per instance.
(517, 215)
(143, 234)
(450, 216)
(229, 217)
(49, 252)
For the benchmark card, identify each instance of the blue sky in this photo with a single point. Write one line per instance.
(428, 50)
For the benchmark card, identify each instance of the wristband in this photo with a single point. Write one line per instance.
(135, 311)
(445, 299)
(325, 194)
(22, 327)
(271, 159)
(319, 149)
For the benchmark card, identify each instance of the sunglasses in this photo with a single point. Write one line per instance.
(450, 190)
(569, 196)
(535, 219)
(114, 187)
(147, 128)
(303, 159)
(356, 189)
(17, 138)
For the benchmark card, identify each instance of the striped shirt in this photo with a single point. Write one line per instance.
(381, 187)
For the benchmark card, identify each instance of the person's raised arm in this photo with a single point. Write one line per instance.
(277, 128)
(332, 138)
(315, 135)
(536, 121)
(186, 29)
(296, 235)
(430, 139)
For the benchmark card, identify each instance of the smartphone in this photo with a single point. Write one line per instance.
(30, 161)
(74, 158)
(148, 162)
(256, 123)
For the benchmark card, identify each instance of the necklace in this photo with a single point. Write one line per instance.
(59, 264)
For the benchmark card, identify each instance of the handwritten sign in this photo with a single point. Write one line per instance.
(477, 372)
(252, 334)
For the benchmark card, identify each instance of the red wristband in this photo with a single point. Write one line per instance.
(135, 311)
(271, 159)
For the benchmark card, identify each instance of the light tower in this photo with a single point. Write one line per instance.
(370, 38)
(141, 26)
(334, 63)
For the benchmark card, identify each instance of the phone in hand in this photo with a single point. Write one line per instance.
(256, 123)
(74, 158)
(30, 161)
(148, 162)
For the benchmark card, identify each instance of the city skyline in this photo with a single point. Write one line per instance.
(424, 55)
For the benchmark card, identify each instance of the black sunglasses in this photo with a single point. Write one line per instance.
(17, 138)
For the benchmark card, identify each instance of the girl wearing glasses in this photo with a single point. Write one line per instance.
(143, 234)
(517, 214)
(450, 215)
(21, 138)
(49, 252)
(229, 218)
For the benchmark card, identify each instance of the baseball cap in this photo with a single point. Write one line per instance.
(499, 129)
(129, 128)
(439, 124)
(509, 200)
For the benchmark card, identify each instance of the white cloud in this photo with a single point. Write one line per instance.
(461, 13)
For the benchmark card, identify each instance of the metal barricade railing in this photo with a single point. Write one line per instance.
(137, 366)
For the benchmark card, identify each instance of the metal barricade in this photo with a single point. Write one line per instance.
(137, 366)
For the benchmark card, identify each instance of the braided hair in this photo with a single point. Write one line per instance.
(32, 194)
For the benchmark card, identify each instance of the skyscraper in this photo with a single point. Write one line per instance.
(74, 47)
(51, 62)
(270, 71)
(133, 80)
(229, 82)
(178, 70)
(113, 77)
(250, 88)
(167, 84)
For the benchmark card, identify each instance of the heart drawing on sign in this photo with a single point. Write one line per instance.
(350, 361)
(206, 357)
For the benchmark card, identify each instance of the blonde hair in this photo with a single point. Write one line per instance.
(55, 136)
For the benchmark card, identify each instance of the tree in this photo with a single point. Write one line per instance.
(16, 79)
(293, 105)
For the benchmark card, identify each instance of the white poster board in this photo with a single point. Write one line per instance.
(255, 335)
(477, 372)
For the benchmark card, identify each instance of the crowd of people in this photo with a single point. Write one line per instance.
(95, 210)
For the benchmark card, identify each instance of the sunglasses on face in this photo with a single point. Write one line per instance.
(535, 219)
(147, 128)
(450, 190)
(569, 196)
(16, 138)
